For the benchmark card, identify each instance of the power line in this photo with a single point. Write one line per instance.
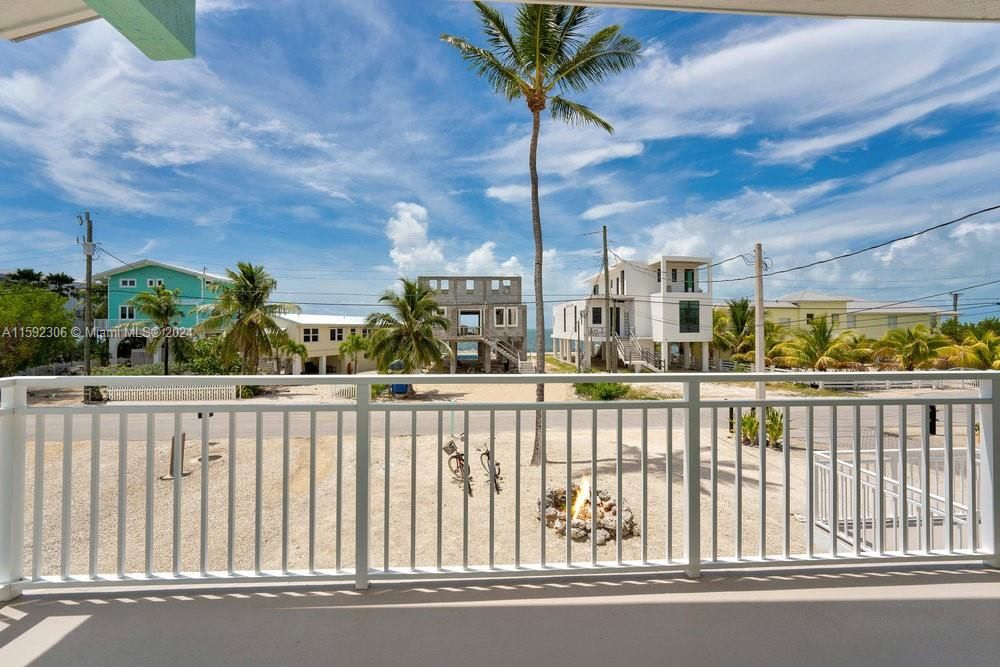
(871, 247)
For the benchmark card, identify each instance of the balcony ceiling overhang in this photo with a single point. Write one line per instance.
(161, 29)
(931, 10)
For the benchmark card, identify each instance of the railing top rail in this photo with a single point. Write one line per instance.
(532, 378)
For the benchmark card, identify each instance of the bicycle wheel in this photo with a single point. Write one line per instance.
(455, 465)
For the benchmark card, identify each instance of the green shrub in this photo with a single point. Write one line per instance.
(601, 391)
(749, 426)
(379, 389)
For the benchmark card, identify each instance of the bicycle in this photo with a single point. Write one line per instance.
(460, 470)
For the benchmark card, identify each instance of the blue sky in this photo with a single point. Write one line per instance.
(341, 144)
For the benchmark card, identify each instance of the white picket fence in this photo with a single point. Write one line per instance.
(206, 393)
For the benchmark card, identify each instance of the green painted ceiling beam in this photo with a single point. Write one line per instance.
(161, 29)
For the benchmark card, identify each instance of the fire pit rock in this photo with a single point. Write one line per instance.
(580, 525)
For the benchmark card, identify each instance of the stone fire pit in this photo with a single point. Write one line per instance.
(580, 525)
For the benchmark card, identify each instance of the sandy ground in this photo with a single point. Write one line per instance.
(655, 523)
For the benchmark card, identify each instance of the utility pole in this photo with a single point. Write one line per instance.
(954, 305)
(758, 316)
(607, 304)
(88, 308)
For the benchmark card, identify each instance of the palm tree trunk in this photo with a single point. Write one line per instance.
(536, 224)
(166, 355)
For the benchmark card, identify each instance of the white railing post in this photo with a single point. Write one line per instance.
(692, 480)
(361, 502)
(14, 399)
(989, 470)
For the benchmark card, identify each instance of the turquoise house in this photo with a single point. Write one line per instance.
(125, 282)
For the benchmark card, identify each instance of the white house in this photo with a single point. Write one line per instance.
(661, 314)
(322, 336)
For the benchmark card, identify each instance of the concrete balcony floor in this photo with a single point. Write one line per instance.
(938, 615)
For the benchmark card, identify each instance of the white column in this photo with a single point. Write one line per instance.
(322, 364)
(296, 365)
(12, 435)
(704, 356)
(989, 471)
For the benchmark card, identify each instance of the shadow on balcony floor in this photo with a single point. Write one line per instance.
(889, 616)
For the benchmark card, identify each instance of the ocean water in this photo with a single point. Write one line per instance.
(531, 340)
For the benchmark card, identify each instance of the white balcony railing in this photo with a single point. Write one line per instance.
(344, 487)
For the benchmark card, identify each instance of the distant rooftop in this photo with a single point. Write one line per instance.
(324, 320)
(142, 263)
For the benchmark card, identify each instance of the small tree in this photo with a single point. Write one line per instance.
(162, 311)
(406, 332)
(354, 345)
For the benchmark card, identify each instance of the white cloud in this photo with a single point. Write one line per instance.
(412, 250)
(618, 207)
(483, 261)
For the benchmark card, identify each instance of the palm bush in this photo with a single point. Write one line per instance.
(244, 313)
(749, 428)
(816, 347)
(406, 333)
(975, 351)
(912, 348)
(774, 426)
(601, 391)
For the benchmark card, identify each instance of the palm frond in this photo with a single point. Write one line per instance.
(500, 76)
(498, 35)
(608, 52)
(575, 113)
(571, 21)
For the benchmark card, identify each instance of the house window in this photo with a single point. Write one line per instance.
(564, 318)
(809, 318)
(126, 312)
(575, 318)
(495, 286)
(150, 282)
(506, 286)
(689, 314)
(597, 288)
(470, 286)
(688, 280)
(621, 283)
(893, 321)
(498, 316)
(596, 315)
(673, 275)
(659, 275)
(512, 317)
(336, 334)
(126, 282)
(310, 335)
(835, 319)
(852, 321)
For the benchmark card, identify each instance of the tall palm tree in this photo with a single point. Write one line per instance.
(244, 313)
(815, 347)
(737, 335)
(354, 344)
(912, 348)
(161, 310)
(406, 332)
(550, 56)
(981, 352)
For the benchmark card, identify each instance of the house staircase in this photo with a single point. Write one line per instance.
(512, 354)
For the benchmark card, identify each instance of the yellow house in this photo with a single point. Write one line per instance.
(869, 318)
